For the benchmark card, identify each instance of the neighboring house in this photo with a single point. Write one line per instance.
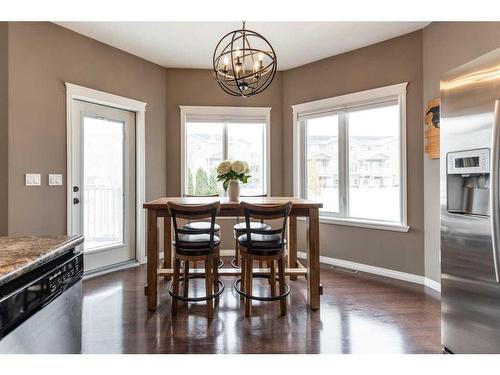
(205, 152)
(372, 161)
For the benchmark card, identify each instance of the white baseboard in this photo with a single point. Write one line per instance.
(227, 253)
(109, 269)
(416, 279)
(432, 284)
(160, 257)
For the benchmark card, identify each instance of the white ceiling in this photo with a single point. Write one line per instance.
(191, 44)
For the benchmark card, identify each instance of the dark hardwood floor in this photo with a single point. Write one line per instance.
(360, 313)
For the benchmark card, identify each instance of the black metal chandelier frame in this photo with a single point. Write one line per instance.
(247, 84)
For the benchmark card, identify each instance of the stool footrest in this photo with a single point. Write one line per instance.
(258, 298)
(196, 299)
(233, 263)
(221, 263)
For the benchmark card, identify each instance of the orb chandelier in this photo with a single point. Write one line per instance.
(244, 63)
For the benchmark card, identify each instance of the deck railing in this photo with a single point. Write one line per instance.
(103, 214)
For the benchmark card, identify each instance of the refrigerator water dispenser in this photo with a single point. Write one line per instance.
(468, 182)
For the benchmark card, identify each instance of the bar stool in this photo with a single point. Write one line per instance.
(197, 225)
(263, 245)
(195, 245)
(239, 229)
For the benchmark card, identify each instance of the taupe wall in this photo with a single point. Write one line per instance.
(42, 56)
(446, 45)
(197, 87)
(390, 62)
(4, 126)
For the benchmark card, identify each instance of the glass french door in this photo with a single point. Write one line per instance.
(103, 177)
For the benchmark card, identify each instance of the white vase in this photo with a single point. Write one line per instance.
(233, 191)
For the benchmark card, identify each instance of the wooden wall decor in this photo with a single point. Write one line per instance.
(432, 128)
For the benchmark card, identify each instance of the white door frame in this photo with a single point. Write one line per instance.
(99, 97)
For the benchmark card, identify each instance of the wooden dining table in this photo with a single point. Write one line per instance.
(300, 208)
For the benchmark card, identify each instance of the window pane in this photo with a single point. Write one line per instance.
(322, 169)
(102, 182)
(246, 142)
(203, 153)
(374, 170)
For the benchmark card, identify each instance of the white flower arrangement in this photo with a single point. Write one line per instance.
(238, 170)
(224, 167)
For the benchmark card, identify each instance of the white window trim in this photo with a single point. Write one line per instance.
(100, 97)
(228, 113)
(343, 102)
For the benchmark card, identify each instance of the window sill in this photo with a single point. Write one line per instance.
(364, 224)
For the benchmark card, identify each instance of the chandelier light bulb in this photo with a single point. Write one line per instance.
(238, 52)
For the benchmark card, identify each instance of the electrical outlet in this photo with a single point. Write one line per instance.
(33, 179)
(55, 179)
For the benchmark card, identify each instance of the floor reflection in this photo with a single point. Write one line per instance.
(102, 312)
(359, 314)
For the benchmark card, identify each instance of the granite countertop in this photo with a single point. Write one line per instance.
(19, 255)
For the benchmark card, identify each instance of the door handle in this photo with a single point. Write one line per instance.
(76, 200)
(494, 191)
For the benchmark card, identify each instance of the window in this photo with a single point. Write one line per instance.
(246, 142)
(213, 134)
(322, 167)
(204, 152)
(349, 154)
(378, 198)
(103, 182)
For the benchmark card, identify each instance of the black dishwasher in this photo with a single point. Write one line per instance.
(40, 311)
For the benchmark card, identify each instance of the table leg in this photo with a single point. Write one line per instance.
(167, 242)
(313, 270)
(292, 244)
(152, 266)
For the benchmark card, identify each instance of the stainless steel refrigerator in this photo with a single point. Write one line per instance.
(470, 208)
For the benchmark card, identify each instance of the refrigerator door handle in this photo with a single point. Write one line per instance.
(494, 191)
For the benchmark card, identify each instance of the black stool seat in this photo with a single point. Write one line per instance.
(195, 244)
(262, 244)
(239, 229)
(201, 225)
(242, 227)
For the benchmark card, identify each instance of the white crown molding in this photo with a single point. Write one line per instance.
(337, 102)
(104, 98)
(225, 111)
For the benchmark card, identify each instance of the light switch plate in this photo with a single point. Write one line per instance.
(33, 179)
(55, 179)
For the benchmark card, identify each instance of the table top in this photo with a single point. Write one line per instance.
(226, 204)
